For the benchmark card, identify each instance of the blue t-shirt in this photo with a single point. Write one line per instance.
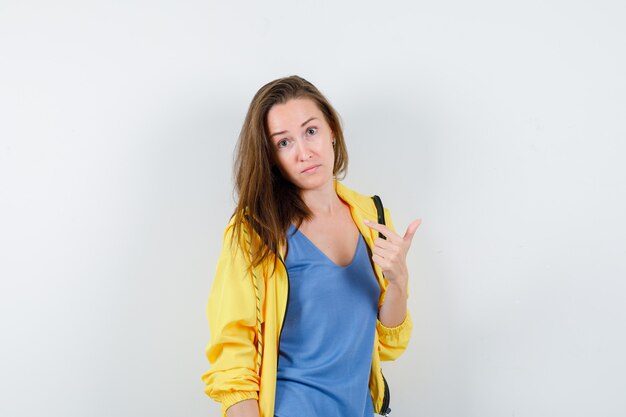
(327, 338)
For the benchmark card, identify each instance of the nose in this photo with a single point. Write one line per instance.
(302, 150)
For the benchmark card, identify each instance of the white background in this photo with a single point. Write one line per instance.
(500, 124)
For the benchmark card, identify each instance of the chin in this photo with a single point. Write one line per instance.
(314, 183)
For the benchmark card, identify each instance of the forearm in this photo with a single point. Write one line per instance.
(246, 408)
(393, 311)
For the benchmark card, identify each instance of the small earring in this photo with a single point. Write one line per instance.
(333, 143)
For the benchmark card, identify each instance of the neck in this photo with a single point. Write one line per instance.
(322, 201)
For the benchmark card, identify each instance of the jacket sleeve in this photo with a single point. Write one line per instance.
(231, 312)
(393, 341)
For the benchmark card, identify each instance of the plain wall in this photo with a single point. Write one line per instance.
(500, 124)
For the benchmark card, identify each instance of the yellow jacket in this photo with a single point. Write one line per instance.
(246, 309)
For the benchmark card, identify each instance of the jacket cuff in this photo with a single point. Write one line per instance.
(394, 331)
(231, 398)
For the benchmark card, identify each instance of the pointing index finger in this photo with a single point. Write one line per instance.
(381, 228)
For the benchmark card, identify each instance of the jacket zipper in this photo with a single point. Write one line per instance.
(282, 325)
(384, 409)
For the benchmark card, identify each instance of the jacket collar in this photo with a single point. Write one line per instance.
(359, 202)
(361, 208)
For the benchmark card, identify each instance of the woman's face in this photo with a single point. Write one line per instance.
(303, 143)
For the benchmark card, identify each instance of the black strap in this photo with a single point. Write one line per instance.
(381, 213)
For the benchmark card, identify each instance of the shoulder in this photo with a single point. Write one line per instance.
(237, 231)
(362, 202)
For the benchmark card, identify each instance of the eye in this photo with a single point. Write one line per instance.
(311, 131)
(282, 143)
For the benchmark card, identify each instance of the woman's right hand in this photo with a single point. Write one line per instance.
(245, 408)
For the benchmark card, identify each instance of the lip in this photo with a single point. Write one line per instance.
(310, 169)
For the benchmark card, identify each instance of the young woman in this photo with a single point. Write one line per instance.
(308, 298)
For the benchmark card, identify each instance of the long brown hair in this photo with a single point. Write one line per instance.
(267, 202)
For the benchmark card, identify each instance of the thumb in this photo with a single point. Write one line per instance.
(410, 231)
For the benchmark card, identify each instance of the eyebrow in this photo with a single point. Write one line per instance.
(284, 131)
